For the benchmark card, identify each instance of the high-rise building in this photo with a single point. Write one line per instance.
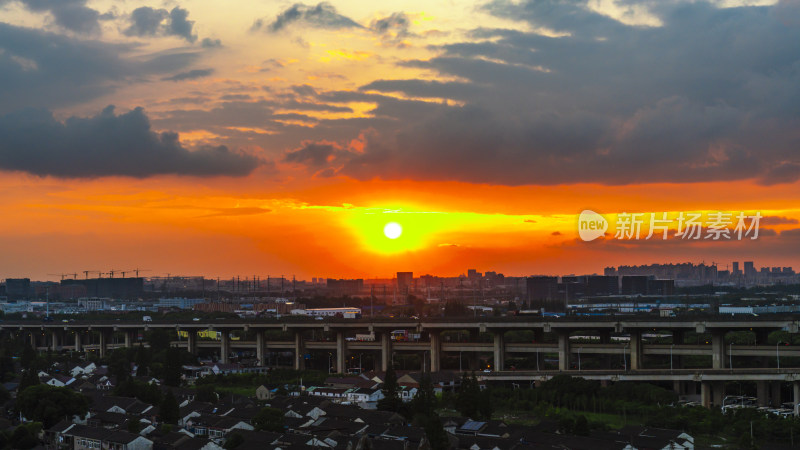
(736, 272)
(543, 293)
(602, 285)
(749, 270)
(405, 281)
(634, 284)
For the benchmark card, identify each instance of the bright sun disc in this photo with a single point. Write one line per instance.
(392, 230)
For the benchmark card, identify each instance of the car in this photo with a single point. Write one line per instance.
(487, 370)
(47, 319)
(196, 319)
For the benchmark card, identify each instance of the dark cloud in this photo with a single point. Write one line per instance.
(146, 21)
(393, 28)
(777, 220)
(210, 43)
(323, 15)
(237, 212)
(72, 15)
(107, 144)
(312, 154)
(190, 75)
(45, 70)
(689, 101)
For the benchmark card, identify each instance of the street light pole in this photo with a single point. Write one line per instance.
(670, 356)
(579, 359)
(624, 358)
(777, 353)
(730, 356)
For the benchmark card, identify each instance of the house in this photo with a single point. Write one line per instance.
(364, 397)
(215, 427)
(264, 393)
(86, 368)
(407, 393)
(224, 369)
(58, 380)
(335, 394)
(91, 438)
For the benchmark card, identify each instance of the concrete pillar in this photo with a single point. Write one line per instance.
(718, 349)
(33, 340)
(605, 336)
(705, 394)
(719, 392)
(191, 341)
(436, 349)
(128, 339)
(299, 351)
(636, 350)
(563, 350)
(776, 394)
(796, 397)
(78, 341)
(54, 340)
(677, 337)
(341, 352)
(386, 351)
(104, 338)
(499, 350)
(260, 347)
(762, 393)
(677, 387)
(224, 346)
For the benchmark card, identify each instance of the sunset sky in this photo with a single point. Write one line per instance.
(278, 138)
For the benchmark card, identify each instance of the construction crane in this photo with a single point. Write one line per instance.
(137, 270)
(64, 275)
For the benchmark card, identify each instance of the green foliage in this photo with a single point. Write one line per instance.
(269, 419)
(25, 436)
(424, 403)
(49, 404)
(275, 378)
(233, 441)
(169, 411)
(146, 392)
(391, 392)
(206, 393)
(471, 401)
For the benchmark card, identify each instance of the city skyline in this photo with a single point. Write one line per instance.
(280, 138)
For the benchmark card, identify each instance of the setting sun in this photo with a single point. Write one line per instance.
(392, 230)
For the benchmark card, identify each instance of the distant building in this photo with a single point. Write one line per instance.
(634, 284)
(597, 285)
(543, 293)
(18, 287)
(345, 287)
(736, 272)
(405, 282)
(110, 287)
(179, 302)
(749, 270)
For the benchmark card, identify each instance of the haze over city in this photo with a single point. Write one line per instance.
(270, 137)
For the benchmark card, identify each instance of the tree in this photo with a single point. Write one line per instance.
(159, 340)
(29, 378)
(169, 411)
(233, 441)
(28, 358)
(269, 419)
(468, 396)
(391, 393)
(435, 434)
(206, 393)
(424, 403)
(50, 404)
(25, 436)
(581, 426)
(173, 367)
(485, 405)
(142, 361)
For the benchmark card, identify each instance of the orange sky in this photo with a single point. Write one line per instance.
(483, 129)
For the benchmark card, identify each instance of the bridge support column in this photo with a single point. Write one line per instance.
(34, 341)
(705, 394)
(762, 394)
(128, 339)
(191, 341)
(260, 346)
(299, 350)
(55, 340)
(499, 350)
(636, 350)
(563, 350)
(436, 349)
(719, 393)
(796, 397)
(224, 346)
(78, 341)
(776, 394)
(677, 387)
(718, 349)
(340, 352)
(104, 338)
(386, 351)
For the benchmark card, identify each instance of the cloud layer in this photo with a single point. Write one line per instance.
(107, 144)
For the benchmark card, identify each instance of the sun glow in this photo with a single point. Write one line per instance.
(392, 230)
